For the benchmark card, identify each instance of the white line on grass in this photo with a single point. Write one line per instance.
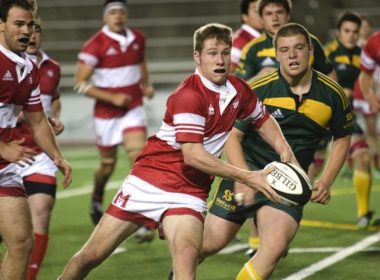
(85, 190)
(326, 262)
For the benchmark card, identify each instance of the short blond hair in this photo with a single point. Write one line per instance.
(212, 30)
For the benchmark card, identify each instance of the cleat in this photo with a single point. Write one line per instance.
(364, 221)
(144, 234)
(171, 275)
(96, 212)
(250, 252)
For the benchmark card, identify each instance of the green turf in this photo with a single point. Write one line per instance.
(71, 227)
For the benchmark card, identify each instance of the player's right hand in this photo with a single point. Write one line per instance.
(121, 99)
(246, 194)
(65, 169)
(16, 153)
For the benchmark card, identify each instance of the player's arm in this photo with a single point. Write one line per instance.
(366, 86)
(146, 86)
(43, 136)
(55, 121)
(83, 86)
(15, 152)
(336, 158)
(197, 157)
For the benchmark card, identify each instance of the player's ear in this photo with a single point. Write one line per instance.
(197, 57)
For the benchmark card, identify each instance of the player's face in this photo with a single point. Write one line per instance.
(348, 34)
(365, 29)
(273, 17)
(293, 54)
(16, 31)
(214, 61)
(252, 18)
(35, 42)
(116, 19)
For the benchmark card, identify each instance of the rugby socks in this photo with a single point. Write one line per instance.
(254, 242)
(248, 272)
(37, 256)
(362, 183)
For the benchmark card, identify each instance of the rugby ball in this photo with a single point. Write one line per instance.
(290, 182)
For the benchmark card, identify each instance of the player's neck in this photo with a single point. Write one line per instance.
(300, 84)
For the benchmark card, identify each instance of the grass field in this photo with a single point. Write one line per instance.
(327, 235)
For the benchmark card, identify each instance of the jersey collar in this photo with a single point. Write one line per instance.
(23, 64)
(255, 33)
(124, 41)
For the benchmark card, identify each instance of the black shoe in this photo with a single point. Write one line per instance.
(171, 275)
(96, 212)
(250, 252)
(144, 234)
(364, 221)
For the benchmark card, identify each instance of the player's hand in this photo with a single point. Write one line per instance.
(121, 99)
(65, 169)
(258, 181)
(243, 194)
(57, 125)
(16, 153)
(148, 91)
(321, 192)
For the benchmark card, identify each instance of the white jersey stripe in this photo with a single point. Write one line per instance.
(189, 131)
(367, 62)
(188, 118)
(116, 77)
(190, 126)
(89, 59)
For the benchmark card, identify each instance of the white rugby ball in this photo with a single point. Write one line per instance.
(290, 182)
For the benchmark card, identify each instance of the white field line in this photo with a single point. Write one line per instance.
(243, 246)
(337, 257)
(85, 190)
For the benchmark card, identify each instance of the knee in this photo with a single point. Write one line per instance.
(107, 168)
(363, 160)
(20, 245)
(87, 258)
(275, 250)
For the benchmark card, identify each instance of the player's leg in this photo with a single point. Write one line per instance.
(253, 240)
(17, 233)
(41, 200)
(372, 139)
(108, 157)
(107, 235)
(277, 227)
(184, 236)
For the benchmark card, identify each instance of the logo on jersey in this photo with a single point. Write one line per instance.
(268, 62)
(111, 51)
(211, 110)
(342, 66)
(8, 76)
(121, 200)
(50, 73)
(235, 104)
(135, 47)
(30, 80)
(277, 114)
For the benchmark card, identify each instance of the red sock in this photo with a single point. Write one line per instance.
(38, 253)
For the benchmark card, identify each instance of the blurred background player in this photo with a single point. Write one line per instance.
(250, 29)
(112, 69)
(39, 178)
(361, 105)
(305, 103)
(20, 91)
(344, 53)
(259, 57)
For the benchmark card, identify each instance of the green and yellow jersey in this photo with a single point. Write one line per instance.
(260, 53)
(346, 62)
(304, 119)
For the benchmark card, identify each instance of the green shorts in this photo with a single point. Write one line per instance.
(224, 206)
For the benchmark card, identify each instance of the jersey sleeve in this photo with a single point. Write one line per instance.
(89, 54)
(33, 104)
(321, 63)
(341, 123)
(188, 115)
(368, 54)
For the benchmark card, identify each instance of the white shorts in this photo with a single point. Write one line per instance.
(110, 132)
(362, 106)
(43, 166)
(11, 181)
(142, 203)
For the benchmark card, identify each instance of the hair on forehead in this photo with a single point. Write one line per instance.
(291, 29)
(6, 5)
(218, 31)
(349, 16)
(287, 4)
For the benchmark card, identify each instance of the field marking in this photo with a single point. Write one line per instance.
(119, 250)
(86, 190)
(337, 257)
(330, 225)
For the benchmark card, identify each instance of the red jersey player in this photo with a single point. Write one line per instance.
(170, 181)
(20, 91)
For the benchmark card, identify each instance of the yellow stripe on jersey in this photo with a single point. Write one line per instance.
(317, 111)
(334, 86)
(343, 59)
(332, 46)
(263, 79)
(281, 102)
(266, 52)
(356, 61)
(247, 46)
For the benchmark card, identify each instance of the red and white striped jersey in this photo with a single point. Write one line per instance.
(116, 62)
(198, 112)
(49, 73)
(370, 55)
(241, 37)
(19, 90)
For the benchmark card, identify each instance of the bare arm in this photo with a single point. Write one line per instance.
(336, 158)
(43, 136)
(55, 122)
(197, 157)
(366, 86)
(146, 86)
(82, 77)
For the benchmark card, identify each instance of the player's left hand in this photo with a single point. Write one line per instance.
(65, 169)
(148, 91)
(321, 192)
(57, 125)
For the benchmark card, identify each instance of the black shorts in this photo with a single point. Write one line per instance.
(32, 188)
